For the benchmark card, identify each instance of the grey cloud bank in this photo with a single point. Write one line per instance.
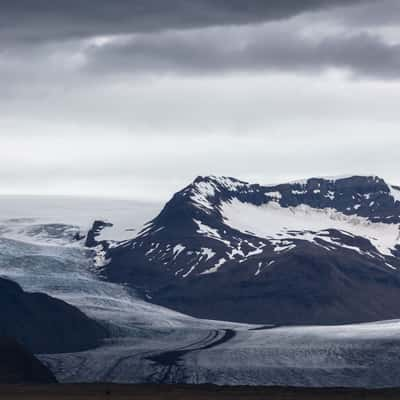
(214, 52)
(61, 19)
(139, 97)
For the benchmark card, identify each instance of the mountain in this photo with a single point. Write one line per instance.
(18, 365)
(44, 324)
(319, 251)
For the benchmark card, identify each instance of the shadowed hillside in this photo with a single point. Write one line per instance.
(17, 365)
(44, 324)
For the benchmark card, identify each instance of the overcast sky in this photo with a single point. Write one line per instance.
(136, 98)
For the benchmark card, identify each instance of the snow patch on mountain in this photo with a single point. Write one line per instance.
(205, 188)
(200, 194)
(207, 231)
(208, 253)
(395, 193)
(274, 195)
(271, 221)
(177, 250)
(215, 268)
(333, 179)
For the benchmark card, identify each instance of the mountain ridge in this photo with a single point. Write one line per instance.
(19, 366)
(220, 236)
(44, 324)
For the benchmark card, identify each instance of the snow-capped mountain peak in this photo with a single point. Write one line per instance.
(205, 189)
(224, 210)
(237, 233)
(365, 196)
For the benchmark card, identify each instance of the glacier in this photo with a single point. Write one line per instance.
(150, 343)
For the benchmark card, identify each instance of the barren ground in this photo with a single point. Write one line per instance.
(185, 392)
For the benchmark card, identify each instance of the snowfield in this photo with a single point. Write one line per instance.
(154, 344)
(272, 221)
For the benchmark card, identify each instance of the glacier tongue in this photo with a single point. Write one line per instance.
(45, 259)
(155, 344)
(19, 214)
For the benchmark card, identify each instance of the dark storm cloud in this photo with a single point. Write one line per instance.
(223, 38)
(62, 19)
(219, 52)
(78, 112)
(370, 14)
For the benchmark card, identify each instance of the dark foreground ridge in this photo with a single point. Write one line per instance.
(18, 365)
(44, 324)
(192, 392)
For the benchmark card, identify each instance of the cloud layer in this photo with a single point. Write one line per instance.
(250, 50)
(61, 19)
(140, 96)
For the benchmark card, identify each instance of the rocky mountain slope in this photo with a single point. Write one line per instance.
(18, 365)
(322, 251)
(44, 324)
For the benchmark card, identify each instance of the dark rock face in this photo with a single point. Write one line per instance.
(44, 324)
(19, 366)
(97, 227)
(345, 269)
